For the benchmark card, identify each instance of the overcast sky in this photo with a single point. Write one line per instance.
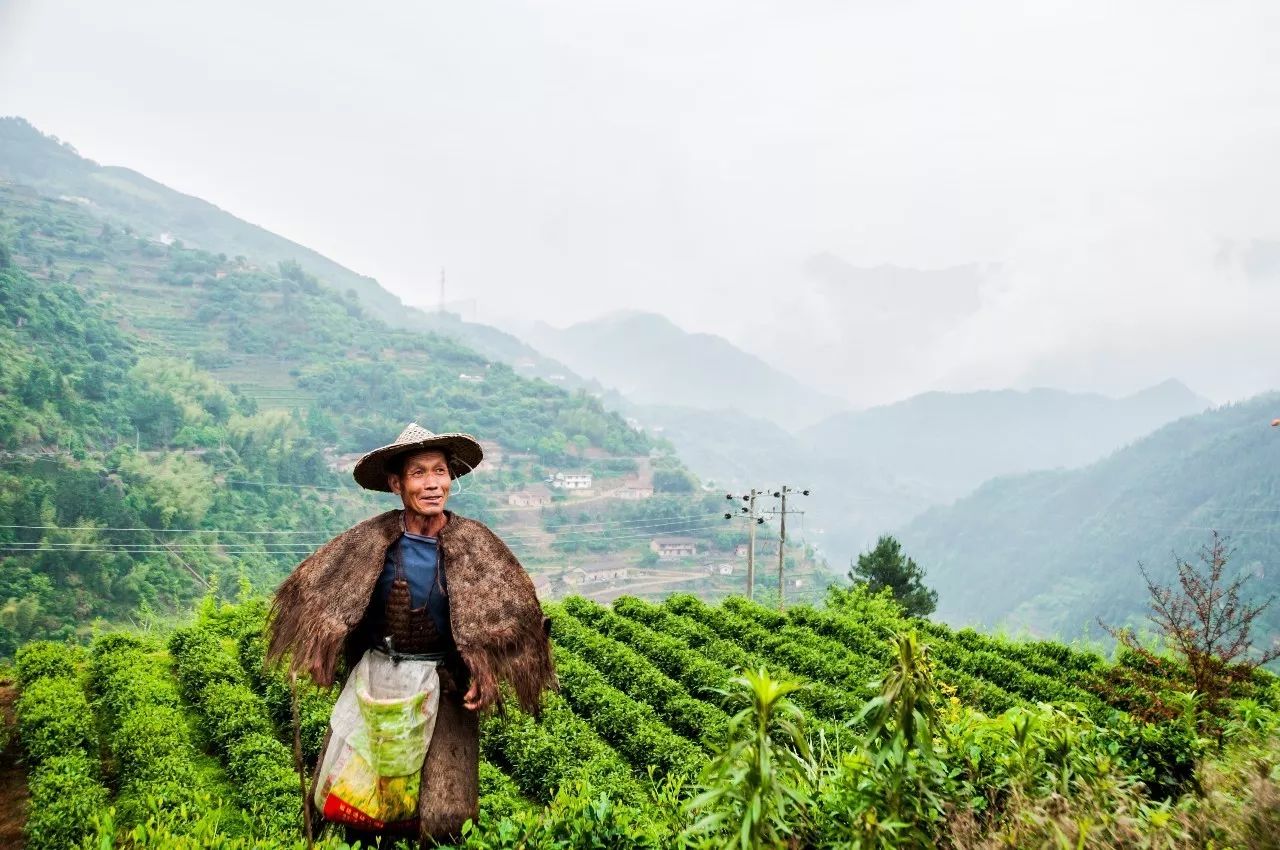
(565, 159)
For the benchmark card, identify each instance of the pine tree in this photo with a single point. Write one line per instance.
(886, 566)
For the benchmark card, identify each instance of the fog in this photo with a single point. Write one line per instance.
(1102, 175)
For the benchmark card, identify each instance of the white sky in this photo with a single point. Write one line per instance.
(564, 159)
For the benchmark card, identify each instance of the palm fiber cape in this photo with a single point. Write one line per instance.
(494, 613)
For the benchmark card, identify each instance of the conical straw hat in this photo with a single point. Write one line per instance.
(463, 451)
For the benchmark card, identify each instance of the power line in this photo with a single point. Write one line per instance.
(607, 525)
(148, 528)
(283, 549)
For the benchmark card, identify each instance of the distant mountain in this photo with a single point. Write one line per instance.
(949, 443)
(725, 446)
(875, 470)
(154, 210)
(652, 361)
(505, 348)
(1051, 551)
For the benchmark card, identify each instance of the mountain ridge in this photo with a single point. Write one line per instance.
(1052, 550)
(637, 353)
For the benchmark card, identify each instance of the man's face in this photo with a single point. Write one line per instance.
(423, 485)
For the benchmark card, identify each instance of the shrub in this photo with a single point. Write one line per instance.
(65, 797)
(54, 718)
(46, 659)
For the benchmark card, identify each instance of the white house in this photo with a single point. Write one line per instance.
(572, 480)
(670, 548)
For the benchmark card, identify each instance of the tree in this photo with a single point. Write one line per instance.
(1206, 622)
(671, 481)
(886, 566)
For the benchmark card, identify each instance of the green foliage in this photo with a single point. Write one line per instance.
(237, 722)
(755, 792)
(608, 762)
(53, 718)
(66, 795)
(905, 704)
(628, 671)
(207, 832)
(826, 701)
(632, 728)
(672, 481)
(314, 704)
(46, 659)
(558, 748)
(578, 817)
(849, 675)
(146, 734)
(885, 566)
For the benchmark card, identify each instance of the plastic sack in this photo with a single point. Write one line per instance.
(380, 730)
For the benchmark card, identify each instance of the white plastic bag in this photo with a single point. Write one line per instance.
(381, 727)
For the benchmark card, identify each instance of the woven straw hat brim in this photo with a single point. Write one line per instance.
(463, 450)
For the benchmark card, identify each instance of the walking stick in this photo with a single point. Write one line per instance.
(297, 760)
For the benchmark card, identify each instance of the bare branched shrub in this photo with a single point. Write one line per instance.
(1208, 622)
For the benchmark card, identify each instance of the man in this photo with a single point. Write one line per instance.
(422, 580)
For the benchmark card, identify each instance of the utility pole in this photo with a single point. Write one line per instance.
(782, 538)
(751, 544)
(782, 547)
(752, 521)
(441, 310)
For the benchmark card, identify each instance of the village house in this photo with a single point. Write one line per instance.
(470, 379)
(342, 463)
(572, 480)
(633, 490)
(533, 496)
(595, 576)
(670, 548)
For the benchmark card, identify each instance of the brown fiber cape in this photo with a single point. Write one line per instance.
(495, 617)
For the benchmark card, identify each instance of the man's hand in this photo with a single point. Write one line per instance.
(476, 698)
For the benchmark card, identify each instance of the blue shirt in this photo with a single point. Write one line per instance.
(420, 557)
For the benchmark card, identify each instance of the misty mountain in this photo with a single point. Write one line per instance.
(949, 443)
(503, 347)
(877, 469)
(29, 157)
(1051, 551)
(651, 361)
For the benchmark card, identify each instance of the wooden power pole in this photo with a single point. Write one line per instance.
(751, 544)
(752, 520)
(782, 547)
(782, 538)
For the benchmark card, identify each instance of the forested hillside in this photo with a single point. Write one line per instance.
(1052, 551)
(31, 158)
(173, 417)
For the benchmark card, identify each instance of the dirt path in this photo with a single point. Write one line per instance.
(13, 779)
(609, 594)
